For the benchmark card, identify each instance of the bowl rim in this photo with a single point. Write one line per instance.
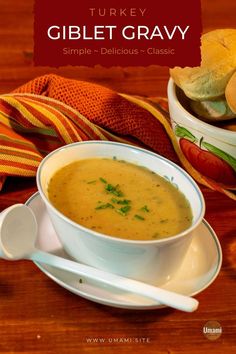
(114, 238)
(206, 126)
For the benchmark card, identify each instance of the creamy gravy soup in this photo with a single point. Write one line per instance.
(119, 199)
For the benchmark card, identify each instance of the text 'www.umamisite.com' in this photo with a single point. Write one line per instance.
(117, 340)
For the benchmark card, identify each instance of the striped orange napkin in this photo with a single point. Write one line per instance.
(51, 111)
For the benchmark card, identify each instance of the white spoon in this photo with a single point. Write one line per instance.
(18, 233)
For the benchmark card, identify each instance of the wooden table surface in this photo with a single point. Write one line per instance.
(37, 315)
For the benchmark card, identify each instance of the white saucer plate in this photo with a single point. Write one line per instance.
(199, 268)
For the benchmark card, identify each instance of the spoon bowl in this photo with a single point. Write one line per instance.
(18, 230)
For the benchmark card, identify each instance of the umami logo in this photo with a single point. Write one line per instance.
(212, 330)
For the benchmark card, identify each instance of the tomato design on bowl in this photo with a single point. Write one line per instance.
(206, 158)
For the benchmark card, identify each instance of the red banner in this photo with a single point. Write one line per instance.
(118, 33)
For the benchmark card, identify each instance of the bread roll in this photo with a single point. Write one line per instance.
(212, 111)
(230, 93)
(218, 64)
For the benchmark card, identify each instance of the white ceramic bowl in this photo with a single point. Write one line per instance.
(219, 142)
(153, 261)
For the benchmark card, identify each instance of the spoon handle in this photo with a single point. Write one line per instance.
(165, 297)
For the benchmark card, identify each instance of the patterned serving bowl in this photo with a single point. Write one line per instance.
(211, 150)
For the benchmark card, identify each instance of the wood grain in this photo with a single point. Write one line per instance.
(38, 316)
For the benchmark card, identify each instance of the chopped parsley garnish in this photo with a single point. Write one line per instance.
(120, 212)
(139, 217)
(114, 190)
(105, 206)
(145, 208)
(124, 210)
(103, 180)
(122, 202)
(90, 182)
